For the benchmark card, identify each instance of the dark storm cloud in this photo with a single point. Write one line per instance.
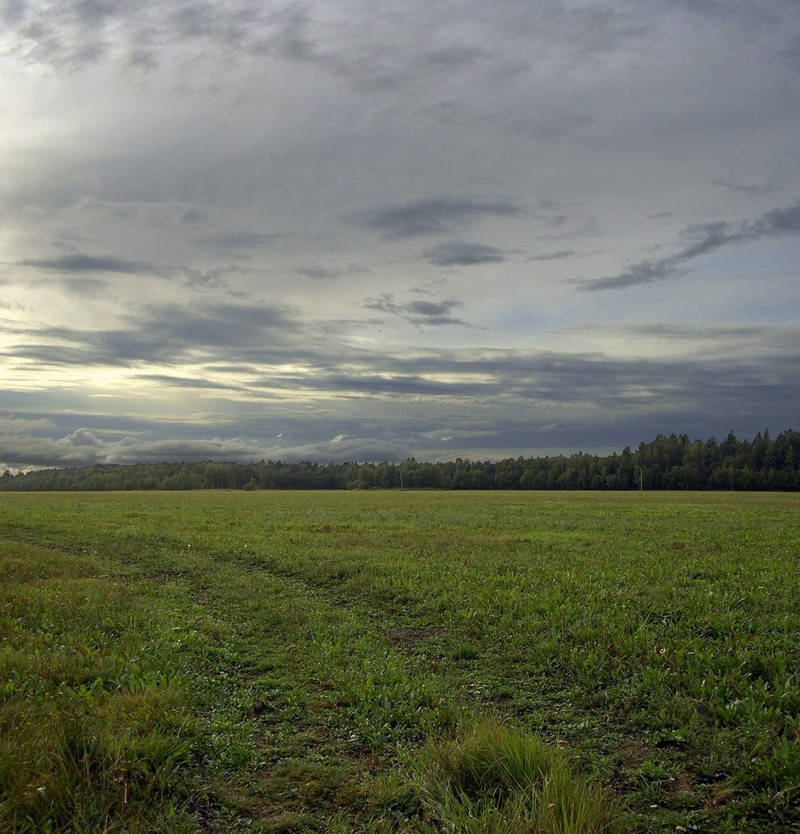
(443, 215)
(90, 263)
(433, 313)
(463, 254)
(702, 239)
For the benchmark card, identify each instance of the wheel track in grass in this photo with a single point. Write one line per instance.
(554, 707)
(318, 601)
(329, 760)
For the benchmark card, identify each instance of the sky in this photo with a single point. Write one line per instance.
(366, 230)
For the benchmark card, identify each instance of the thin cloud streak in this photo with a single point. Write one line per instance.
(703, 238)
(89, 263)
(441, 215)
(463, 254)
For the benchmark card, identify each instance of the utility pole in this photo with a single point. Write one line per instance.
(401, 479)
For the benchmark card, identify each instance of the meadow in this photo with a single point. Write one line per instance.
(376, 661)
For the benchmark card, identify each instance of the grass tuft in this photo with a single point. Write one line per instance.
(494, 779)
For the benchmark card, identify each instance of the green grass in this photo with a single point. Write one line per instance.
(95, 730)
(378, 662)
(497, 779)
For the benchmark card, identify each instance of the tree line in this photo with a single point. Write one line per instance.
(674, 462)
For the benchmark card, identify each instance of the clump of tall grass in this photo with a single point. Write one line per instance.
(99, 769)
(494, 779)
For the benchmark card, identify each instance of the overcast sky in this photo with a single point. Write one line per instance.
(365, 230)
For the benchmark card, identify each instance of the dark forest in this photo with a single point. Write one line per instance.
(673, 462)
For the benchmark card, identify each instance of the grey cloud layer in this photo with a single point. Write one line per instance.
(463, 254)
(702, 239)
(166, 333)
(326, 273)
(82, 447)
(417, 312)
(89, 263)
(443, 215)
(530, 400)
(553, 256)
(233, 241)
(233, 343)
(72, 35)
(330, 36)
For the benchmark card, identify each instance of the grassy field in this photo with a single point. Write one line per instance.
(399, 661)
